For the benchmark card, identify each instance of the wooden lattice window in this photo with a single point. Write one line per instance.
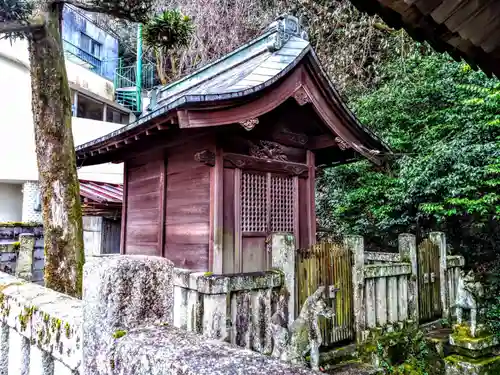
(268, 203)
(254, 202)
(282, 204)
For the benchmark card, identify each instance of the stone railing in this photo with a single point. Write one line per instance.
(233, 308)
(40, 330)
(372, 257)
(122, 326)
(386, 294)
(10, 246)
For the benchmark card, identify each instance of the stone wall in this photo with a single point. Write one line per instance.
(10, 244)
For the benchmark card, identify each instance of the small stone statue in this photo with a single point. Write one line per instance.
(467, 291)
(304, 335)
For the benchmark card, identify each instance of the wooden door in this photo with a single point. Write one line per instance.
(267, 203)
(429, 281)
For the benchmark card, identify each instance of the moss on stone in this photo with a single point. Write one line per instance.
(12, 224)
(119, 333)
(67, 330)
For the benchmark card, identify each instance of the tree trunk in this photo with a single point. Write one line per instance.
(51, 105)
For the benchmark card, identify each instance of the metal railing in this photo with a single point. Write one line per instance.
(125, 76)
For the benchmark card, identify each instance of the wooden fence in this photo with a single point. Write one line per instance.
(328, 264)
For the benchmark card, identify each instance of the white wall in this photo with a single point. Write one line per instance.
(11, 202)
(17, 144)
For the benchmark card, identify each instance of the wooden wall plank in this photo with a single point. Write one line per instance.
(187, 211)
(143, 203)
(228, 222)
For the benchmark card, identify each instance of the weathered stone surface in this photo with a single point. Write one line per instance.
(48, 319)
(207, 283)
(408, 249)
(121, 293)
(165, 350)
(459, 365)
(356, 245)
(455, 261)
(371, 256)
(283, 258)
(386, 270)
(24, 266)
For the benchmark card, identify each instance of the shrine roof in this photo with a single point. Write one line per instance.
(238, 75)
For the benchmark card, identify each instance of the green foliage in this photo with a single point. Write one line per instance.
(412, 355)
(169, 30)
(442, 121)
(14, 10)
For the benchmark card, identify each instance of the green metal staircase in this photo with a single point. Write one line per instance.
(127, 92)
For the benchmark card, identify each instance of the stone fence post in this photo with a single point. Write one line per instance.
(283, 258)
(407, 244)
(24, 264)
(439, 239)
(356, 245)
(121, 293)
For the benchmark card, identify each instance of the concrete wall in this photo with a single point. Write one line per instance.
(18, 147)
(74, 24)
(11, 201)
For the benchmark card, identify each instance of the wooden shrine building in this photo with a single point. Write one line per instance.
(228, 155)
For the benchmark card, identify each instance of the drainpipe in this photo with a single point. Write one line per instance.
(138, 71)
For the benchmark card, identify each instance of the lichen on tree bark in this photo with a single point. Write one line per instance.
(51, 105)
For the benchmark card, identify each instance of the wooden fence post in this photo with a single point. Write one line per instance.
(407, 244)
(356, 245)
(439, 239)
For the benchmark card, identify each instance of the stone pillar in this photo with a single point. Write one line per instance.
(30, 199)
(283, 258)
(408, 251)
(24, 265)
(356, 245)
(439, 239)
(120, 293)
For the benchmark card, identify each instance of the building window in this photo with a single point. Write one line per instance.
(90, 45)
(113, 115)
(88, 108)
(85, 107)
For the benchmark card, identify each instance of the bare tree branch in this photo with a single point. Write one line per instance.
(17, 26)
(132, 10)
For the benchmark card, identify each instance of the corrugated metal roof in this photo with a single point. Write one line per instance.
(101, 192)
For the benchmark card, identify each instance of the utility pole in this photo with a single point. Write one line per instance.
(138, 70)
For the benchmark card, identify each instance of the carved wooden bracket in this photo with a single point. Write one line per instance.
(264, 165)
(267, 150)
(343, 145)
(250, 123)
(301, 97)
(206, 157)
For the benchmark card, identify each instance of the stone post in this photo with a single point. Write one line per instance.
(24, 265)
(120, 293)
(408, 250)
(439, 239)
(356, 245)
(283, 258)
